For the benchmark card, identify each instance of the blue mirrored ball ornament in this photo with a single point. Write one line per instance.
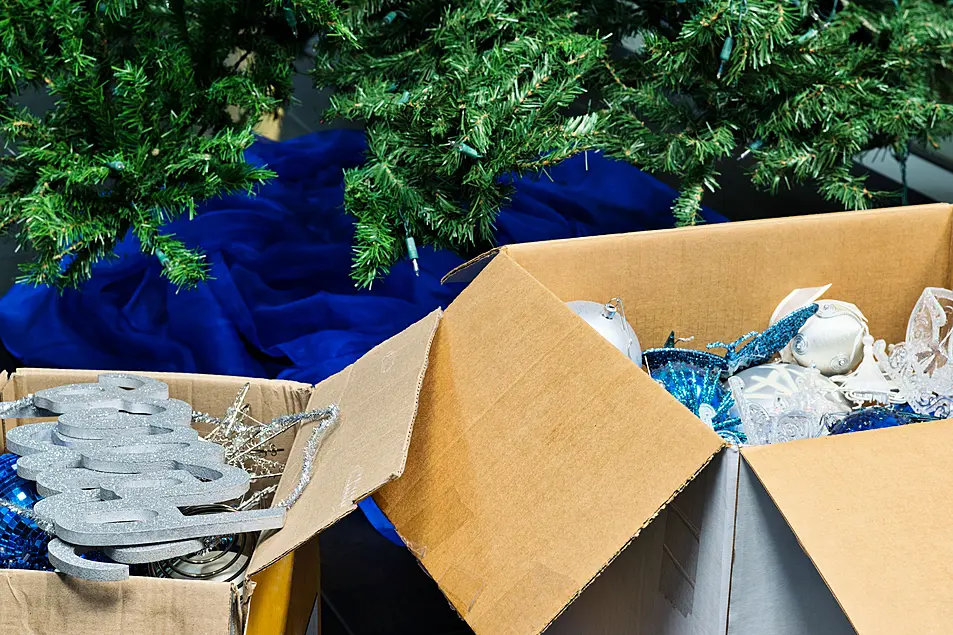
(874, 418)
(22, 542)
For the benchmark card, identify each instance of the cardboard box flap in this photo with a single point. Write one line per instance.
(873, 512)
(716, 282)
(377, 397)
(539, 452)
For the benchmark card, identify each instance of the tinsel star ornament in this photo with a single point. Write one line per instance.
(247, 442)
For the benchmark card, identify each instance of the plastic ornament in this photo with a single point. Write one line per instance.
(698, 387)
(868, 384)
(832, 340)
(767, 383)
(922, 366)
(609, 321)
(22, 542)
(785, 402)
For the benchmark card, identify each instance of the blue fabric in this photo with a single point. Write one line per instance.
(281, 303)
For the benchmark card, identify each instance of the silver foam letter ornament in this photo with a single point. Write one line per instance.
(115, 468)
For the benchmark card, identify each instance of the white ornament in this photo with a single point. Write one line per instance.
(868, 384)
(922, 366)
(609, 321)
(784, 402)
(832, 340)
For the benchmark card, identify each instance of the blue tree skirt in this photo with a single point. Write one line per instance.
(281, 303)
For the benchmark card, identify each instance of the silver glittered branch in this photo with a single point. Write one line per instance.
(320, 432)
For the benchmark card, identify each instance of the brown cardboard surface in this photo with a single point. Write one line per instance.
(41, 603)
(377, 397)
(872, 510)
(539, 452)
(717, 282)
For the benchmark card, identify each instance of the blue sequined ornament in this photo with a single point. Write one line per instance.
(698, 387)
(874, 418)
(762, 347)
(22, 543)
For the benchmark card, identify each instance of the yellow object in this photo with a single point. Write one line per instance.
(285, 592)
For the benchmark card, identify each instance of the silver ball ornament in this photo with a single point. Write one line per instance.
(832, 341)
(764, 384)
(609, 321)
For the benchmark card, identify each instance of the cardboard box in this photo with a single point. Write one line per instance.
(377, 398)
(540, 452)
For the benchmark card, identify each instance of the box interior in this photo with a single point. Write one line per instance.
(469, 506)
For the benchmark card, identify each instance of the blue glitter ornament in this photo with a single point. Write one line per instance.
(761, 348)
(698, 387)
(658, 358)
(874, 418)
(22, 543)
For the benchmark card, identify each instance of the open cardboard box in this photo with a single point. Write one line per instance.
(377, 398)
(541, 452)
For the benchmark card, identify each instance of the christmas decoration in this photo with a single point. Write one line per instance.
(758, 348)
(868, 384)
(22, 542)
(922, 366)
(784, 402)
(98, 466)
(609, 321)
(832, 340)
(153, 104)
(700, 389)
(873, 418)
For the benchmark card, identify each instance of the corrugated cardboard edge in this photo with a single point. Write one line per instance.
(796, 537)
(292, 536)
(472, 268)
(517, 248)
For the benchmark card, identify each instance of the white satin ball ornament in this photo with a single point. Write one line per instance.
(832, 341)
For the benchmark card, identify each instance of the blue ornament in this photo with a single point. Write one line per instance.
(22, 542)
(697, 386)
(761, 348)
(657, 359)
(876, 417)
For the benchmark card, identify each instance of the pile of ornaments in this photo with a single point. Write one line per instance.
(122, 483)
(816, 370)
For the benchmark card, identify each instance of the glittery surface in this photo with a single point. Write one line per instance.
(22, 542)
(657, 358)
(873, 418)
(699, 388)
(761, 348)
(310, 452)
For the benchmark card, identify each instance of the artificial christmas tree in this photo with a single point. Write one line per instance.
(456, 97)
(154, 104)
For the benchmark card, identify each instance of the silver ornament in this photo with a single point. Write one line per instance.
(609, 321)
